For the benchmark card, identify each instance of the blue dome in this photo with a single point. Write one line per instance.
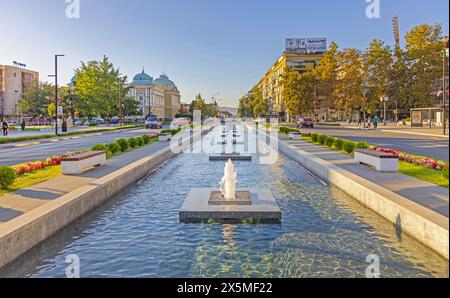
(142, 79)
(164, 80)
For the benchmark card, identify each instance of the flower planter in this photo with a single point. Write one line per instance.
(165, 137)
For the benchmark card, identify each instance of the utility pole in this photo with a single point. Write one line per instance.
(56, 92)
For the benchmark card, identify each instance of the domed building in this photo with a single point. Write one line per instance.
(171, 96)
(148, 94)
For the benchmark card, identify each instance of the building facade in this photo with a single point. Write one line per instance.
(271, 84)
(158, 97)
(172, 96)
(14, 81)
(148, 94)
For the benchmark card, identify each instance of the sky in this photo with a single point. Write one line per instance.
(218, 48)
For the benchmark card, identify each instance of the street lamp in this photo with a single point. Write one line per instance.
(384, 99)
(56, 92)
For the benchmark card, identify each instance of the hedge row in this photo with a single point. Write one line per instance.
(339, 144)
(122, 145)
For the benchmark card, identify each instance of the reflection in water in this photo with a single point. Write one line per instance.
(323, 233)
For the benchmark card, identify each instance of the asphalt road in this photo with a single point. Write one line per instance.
(14, 156)
(414, 144)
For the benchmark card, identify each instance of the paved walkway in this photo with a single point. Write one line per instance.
(421, 192)
(24, 200)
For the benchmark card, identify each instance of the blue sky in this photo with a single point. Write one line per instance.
(207, 46)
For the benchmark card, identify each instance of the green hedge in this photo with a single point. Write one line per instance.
(315, 137)
(172, 131)
(7, 177)
(146, 139)
(100, 147)
(349, 146)
(140, 141)
(114, 148)
(445, 172)
(132, 142)
(323, 139)
(338, 144)
(123, 144)
(362, 145)
(330, 141)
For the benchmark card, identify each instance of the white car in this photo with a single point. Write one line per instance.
(179, 122)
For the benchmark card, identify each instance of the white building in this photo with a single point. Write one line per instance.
(148, 94)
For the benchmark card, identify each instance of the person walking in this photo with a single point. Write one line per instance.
(375, 122)
(5, 128)
(369, 121)
(23, 125)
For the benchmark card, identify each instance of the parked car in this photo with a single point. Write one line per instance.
(305, 123)
(152, 122)
(114, 120)
(179, 122)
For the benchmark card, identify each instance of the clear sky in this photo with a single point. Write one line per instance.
(207, 46)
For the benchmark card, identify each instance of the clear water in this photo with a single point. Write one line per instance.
(324, 233)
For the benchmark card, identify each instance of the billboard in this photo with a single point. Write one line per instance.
(306, 45)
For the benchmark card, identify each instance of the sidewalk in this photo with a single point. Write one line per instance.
(428, 195)
(437, 132)
(15, 204)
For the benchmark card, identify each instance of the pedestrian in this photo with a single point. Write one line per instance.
(369, 121)
(375, 122)
(23, 125)
(5, 128)
(359, 120)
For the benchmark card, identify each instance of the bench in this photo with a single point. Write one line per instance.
(78, 163)
(164, 137)
(383, 162)
(295, 136)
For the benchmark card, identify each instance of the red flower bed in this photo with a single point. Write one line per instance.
(41, 164)
(417, 160)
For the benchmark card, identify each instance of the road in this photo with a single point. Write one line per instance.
(14, 156)
(414, 144)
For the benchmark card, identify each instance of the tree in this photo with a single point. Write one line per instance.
(97, 88)
(130, 107)
(38, 98)
(23, 105)
(326, 72)
(51, 109)
(379, 61)
(351, 70)
(260, 104)
(298, 92)
(424, 47)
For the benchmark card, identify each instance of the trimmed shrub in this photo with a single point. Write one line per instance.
(146, 139)
(362, 145)
(323, 139)
(314, 137)
(140, 141)
(114, 148)
(100, 147)
(132, 142)
(349, 146)
(445, 172)
(330, 141)
(123, 144)
(338, 144)
(7, 177)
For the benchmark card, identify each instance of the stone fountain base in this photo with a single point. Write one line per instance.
(232, 156)
(204, 204)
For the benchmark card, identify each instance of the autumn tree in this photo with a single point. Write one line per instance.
(351, 71)
(298, 92)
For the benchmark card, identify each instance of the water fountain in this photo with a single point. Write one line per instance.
(235, 155)
(228, 203)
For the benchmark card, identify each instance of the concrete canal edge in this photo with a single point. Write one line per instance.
(425, 225)
(28, 230)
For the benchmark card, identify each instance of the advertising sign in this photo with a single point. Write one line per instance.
(316, 45)
(306, 45)
(416, 118)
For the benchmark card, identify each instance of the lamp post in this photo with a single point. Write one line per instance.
(56, 92)
(445, 54)
(384, 99)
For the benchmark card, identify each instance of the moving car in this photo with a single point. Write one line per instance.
(305, 123)
(152, 122)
